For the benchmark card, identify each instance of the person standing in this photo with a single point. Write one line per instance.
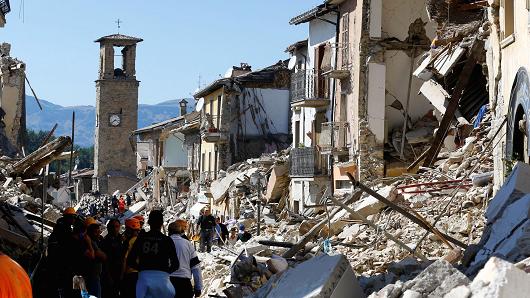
(188, 260)
(95, 264)
(61, 273)
(154, 256)
(129, 275)
(223, 231)
(206, 224)
(112, 246)
(121, 205)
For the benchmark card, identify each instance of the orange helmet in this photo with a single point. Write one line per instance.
(69, 211)
(132, 223)
(139, 218)
(90, 221)
(14, 281)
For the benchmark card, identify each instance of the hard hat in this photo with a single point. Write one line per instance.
(14, 281)
(69, 211)
(90, 221)
(132, 223)
(139, 218)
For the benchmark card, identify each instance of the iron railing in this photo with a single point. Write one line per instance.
(340, 136)
(305, 162)
(4, 6)
(309, 84)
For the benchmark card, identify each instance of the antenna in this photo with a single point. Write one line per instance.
(119, 22)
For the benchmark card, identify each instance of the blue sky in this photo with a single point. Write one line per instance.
(182, 40)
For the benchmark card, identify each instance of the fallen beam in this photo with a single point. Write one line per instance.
(463, 80)
(39, 158)
(421, 222)
(315, 229)
(376, 227)
(276, 243)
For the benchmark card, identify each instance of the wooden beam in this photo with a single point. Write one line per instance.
(376, 227)
(315, 229)
(463, 80)
(417, 220)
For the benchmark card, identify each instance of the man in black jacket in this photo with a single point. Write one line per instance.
(154, 256)
(206, 223)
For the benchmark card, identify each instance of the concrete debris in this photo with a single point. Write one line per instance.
(507, 232)
(307, 280)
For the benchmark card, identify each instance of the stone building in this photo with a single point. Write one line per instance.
(116, 115)
(12, 102)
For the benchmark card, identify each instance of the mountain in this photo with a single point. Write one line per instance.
(85, 117)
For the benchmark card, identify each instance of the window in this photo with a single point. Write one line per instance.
(203, 161)
(345, 40)
(509, 24)
(297, 134)
(219, 100)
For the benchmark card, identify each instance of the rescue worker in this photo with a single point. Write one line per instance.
(129, 275)
(14, 281)
(244, 236)
(188, 260)
(206, 224)
(94, 266)
(112, 246)
(141, 219)
(153, 255)
(61, 236)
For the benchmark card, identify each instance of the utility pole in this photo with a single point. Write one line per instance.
(259, 207)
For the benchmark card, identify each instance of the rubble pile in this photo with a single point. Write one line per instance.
(453, 195)
(498, 278)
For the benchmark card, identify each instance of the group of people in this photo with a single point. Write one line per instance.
(134, 263)
(213, 231)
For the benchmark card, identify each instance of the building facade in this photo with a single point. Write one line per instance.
(312, 93)
(242, 116)
(116, 115)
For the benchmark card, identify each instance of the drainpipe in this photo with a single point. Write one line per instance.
(333, 99)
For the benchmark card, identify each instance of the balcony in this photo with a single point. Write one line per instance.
(210, 133)
(338, 132)
(342, 70)
(306, 163)
(309, 88)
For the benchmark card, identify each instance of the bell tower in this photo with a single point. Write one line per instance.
(116, 114)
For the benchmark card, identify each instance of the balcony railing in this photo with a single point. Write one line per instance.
(309, 84)
(4, 6)
(340, 142)
(210, 132)
(306, 162)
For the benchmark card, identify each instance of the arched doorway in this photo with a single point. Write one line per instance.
(517, 146)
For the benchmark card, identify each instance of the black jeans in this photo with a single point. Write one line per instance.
(183, 287)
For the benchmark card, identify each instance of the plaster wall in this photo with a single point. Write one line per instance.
(275, 102)
(174, 153)
(508, 70)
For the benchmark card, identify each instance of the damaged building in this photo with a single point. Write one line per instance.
(166, 154)
(243, 115)
(12, 102)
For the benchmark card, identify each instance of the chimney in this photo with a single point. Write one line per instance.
(240, 70)
(183, 107)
